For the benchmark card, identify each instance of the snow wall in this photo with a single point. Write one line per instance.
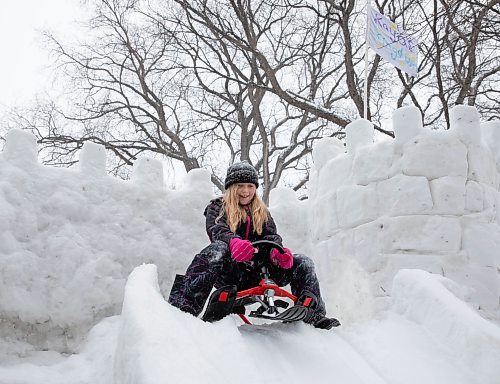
(70, 237)
(427, 200)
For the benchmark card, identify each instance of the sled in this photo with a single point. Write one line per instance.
(273, 301)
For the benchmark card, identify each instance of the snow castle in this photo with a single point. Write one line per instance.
(69, 238)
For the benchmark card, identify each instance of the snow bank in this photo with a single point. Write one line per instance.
(93, 364)
(431, 301)
(70, 237)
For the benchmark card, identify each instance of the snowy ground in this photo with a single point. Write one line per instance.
(427, 336)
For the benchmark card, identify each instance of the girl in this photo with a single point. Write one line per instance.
(233, 222)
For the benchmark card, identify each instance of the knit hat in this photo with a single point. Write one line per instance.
(242, 172)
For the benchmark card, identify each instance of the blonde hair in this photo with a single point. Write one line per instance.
(235, 213)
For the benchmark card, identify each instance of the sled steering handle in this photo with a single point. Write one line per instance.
(268, 244)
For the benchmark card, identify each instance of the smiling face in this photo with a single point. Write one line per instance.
(245, 192)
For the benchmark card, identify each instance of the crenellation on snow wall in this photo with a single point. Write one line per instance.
(426, 199)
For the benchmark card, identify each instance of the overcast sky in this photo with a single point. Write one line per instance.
(24, 60)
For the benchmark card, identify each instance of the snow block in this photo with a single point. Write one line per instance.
(490, 132)
(290, 215)
(482, 243)
(198, 179)
(312, 189)
(464, 120)
(435, 154)
(482, 166)
(474, 197)
(406, 123)
(326, 149)
(93, 159)
(356, 205)
(421, 234)
(324, 217)
(338, 246)
(404, 195)
(20, 148)
(374, 163)
(335, 173)
(448, 195)
(148, 172)
(491, 196)
(198, 186)
(358, 133)
(367, 249)
(282, 197)
(431, 301)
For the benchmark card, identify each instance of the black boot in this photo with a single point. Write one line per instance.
(316, 315)
(220, 304)
(326, 323)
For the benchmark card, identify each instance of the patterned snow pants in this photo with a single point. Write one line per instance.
(214, 267)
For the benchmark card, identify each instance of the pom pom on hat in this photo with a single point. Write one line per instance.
(242, 172)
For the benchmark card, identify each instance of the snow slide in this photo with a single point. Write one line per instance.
(160, 344)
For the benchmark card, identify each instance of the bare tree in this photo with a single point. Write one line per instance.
(280, 67)
(459, 42)
(227, 46)
(127, 87)
(208, 82)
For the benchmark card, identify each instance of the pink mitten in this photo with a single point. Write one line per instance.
(241, 250)
(284, 260)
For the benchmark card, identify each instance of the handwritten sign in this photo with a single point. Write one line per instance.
(392, 43)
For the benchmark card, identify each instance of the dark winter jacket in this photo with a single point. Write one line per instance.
(218, 229)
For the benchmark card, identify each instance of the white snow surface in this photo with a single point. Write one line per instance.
(405, 236)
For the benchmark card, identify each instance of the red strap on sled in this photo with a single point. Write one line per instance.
(307, 301)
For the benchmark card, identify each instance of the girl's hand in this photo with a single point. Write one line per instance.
(284, 260)
(241, 250)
